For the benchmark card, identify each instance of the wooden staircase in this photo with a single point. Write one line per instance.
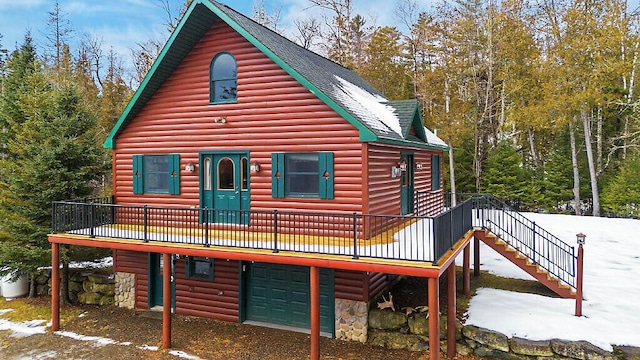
(523, 262)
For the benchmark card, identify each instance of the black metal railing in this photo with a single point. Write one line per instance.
(529, 239)
(413, 238)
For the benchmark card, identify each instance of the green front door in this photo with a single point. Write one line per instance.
(280, 294)
(156, 266)
(224, 179)
(406, 184)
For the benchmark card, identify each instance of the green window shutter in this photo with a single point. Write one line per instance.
(325, 174)
(174, 174)
(277, 175)
(435, 172)
(138, 175)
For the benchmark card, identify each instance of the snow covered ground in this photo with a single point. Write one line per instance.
(611, 307)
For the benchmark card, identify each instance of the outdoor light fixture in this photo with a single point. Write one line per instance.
(190, 167)
(219, 120)
(254, 167)
(580, 238)
(403, 166)
(395, 172)
(419, 166)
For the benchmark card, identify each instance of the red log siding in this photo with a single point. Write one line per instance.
(217, 299)
(378, 282)
(351, 285)
(136, 263)
(384, 191)
(273, 113)
(422, 181)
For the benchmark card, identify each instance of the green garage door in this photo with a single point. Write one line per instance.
(279, 294)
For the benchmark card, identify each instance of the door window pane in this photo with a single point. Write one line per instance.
(244, 166)
(207, 174)
(226, 174)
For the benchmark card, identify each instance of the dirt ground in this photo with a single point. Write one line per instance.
(137, 334)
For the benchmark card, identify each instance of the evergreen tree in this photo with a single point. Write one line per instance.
(621, 196)
(54, 154)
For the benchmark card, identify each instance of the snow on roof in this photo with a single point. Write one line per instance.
(370, 108)
(433, 139)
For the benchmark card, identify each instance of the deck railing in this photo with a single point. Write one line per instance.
(412, 238)
(540, 246)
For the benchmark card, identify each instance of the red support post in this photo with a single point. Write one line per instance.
(55, 286)
(476, 256)
(579, 277)
(466, 272)
(166, 301)
(314, 275)
(451, 311)
(434, 319)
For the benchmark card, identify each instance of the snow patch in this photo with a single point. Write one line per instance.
(182, 354)
(611, 273)
(372, 109)
(149, 348)
(23, 329)
(4, 311)
(98, 341)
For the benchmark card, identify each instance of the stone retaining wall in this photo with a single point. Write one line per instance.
(397, 330)
(351, 320)
(85, 286)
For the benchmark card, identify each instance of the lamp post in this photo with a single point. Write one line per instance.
(580, 239)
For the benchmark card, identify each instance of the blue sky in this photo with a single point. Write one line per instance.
(123, 23)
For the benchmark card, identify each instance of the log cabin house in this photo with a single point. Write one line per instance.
(256, 181)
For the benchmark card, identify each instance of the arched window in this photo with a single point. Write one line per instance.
(223, 76)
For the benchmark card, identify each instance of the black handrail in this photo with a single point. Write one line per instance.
(351, 234)
(529, 239)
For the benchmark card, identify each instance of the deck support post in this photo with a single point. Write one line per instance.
(314, 275)
(466, 272)
(579, 277)
(434, 318)
(55, 286)
(166, 301)
(451, 310)
(476, 256)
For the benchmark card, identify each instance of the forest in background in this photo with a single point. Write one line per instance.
(537, 100)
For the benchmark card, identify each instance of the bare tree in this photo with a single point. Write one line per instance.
(58, 33)
(308, 30)
(266, 18)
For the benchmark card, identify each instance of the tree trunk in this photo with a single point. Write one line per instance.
(64, 283)
(599, 142)
(576, 173)
(32, 285)
(592, 167)
(452, 176)
(532, 145)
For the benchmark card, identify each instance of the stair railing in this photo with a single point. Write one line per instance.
(529, 239)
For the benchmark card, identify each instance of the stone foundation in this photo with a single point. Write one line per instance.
(125, 290)
(351, 320)
(86, 286)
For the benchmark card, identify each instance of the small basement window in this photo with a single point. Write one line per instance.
(199, 267)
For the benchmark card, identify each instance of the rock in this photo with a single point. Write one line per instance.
(489, 338)
(101, 279)
(485, 352)
(105, 289)
(75, 286)
(395, 340)
(42, 290)
(106, 300)
(580, 350)
(463, 349)
(419, 325)
(530, 347)
(87, 286)
(386, 320)
(77, 276)
(42, 279)
(89, 298)
(627, 352)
